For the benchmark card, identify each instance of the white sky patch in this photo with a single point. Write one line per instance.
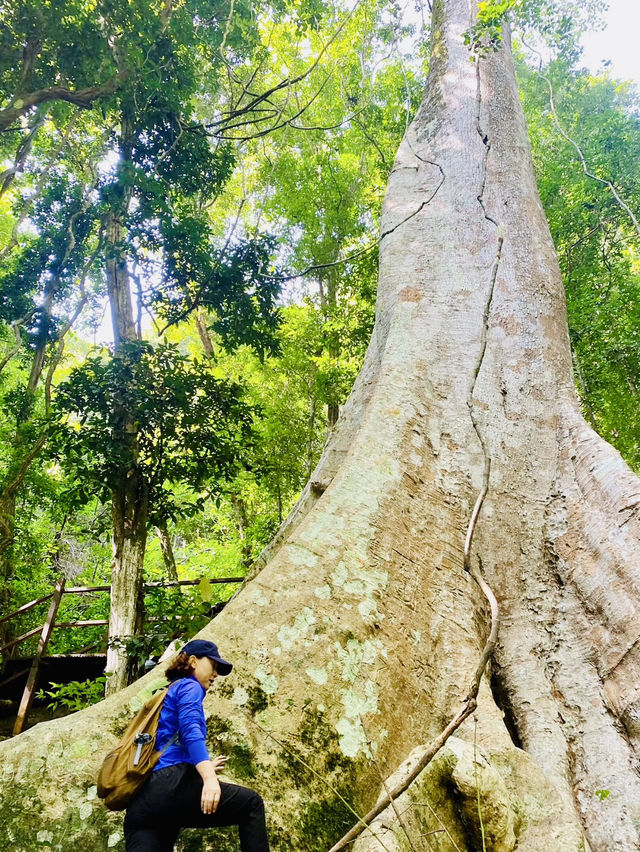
(617, 44)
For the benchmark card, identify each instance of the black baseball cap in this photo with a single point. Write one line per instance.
(204, 648)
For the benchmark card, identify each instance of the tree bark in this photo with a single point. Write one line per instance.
(130, 512)
(361, 611)
(242, 522)
(118, 284)
(84, 98)
(167, 551)
(203, 331)
(130, 494)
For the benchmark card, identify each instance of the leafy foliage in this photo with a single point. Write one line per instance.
(595, 238)
(74, 695)
(233, 285)
(191, 427)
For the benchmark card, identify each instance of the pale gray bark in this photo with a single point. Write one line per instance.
(118, 284)
(129, 512)
(203, 331)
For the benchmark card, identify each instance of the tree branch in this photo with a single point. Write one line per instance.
(69, 324)
(224, 123)
(578, 149)
(40, 186)
(15, 483)
(83, 98)
(16, 326)
(24, 149)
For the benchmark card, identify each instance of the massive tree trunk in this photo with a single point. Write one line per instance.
(360, 629)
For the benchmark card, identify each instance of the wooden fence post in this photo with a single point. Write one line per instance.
(47, 627)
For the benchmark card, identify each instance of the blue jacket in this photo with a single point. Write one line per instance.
(182, 711)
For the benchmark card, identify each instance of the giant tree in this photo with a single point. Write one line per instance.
(355, 641)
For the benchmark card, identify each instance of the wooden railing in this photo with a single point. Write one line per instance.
(50, 624)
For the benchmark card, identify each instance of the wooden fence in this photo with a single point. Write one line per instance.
(50, 624)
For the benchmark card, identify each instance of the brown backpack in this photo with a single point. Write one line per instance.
(127, 767)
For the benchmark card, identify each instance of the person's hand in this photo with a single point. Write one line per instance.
(210, 795)
(220, 762)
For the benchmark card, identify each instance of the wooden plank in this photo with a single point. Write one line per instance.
(83, 590)
(26, 607)
(194, 582)
(87, 648)
(27, 695)
(21, 638)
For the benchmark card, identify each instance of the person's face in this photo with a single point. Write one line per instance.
(204, 670)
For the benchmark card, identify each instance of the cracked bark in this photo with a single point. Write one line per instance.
(362, 606)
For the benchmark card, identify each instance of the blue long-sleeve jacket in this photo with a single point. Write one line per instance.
(182, 711)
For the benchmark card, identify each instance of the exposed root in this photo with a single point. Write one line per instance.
(425, 809)
(469, 704)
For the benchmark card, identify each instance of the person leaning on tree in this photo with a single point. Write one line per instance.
(183, 790)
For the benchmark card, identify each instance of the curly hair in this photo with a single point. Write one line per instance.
(180, 667)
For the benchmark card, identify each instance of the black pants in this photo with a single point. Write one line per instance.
(170, 800)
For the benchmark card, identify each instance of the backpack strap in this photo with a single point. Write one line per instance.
(175, 739)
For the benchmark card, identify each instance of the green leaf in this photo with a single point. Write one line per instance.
(206, 589)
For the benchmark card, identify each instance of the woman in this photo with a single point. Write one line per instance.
(183, 790)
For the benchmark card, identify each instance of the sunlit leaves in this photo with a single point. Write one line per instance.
(47, 264)
(190, 427)
(595, 238)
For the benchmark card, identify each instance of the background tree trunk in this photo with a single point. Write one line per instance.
(361, 630)
(167, 552)
(130, 494)
(130, 511)
(327, 281)
(7, 532)
(25, 449)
